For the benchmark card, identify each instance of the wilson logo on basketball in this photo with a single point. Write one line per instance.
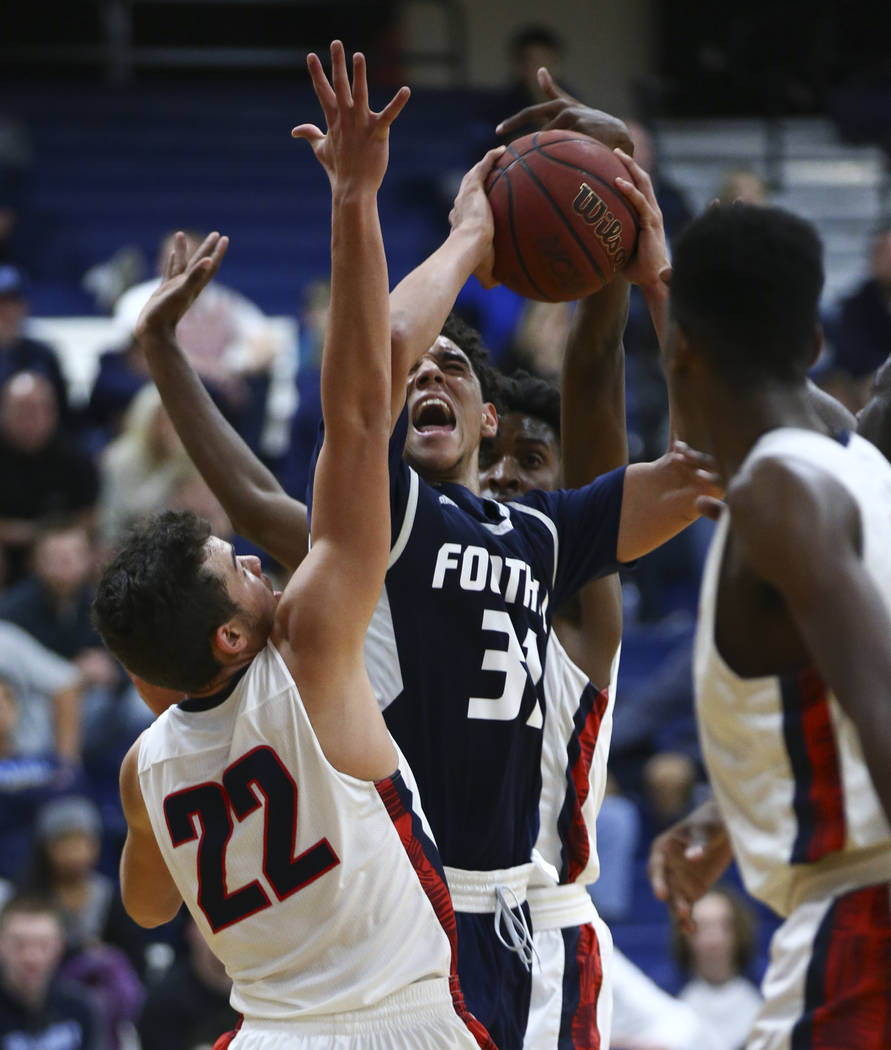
(605, 226)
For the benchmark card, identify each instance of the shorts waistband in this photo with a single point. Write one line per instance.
(557, 907)
(474, 891)
(421, 999)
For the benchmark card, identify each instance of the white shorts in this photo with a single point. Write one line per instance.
(423, 1017)
(571, 1002)
(828, 985)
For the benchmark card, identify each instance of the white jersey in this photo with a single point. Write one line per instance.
(784, 759)
(575, 748)
(321, 893)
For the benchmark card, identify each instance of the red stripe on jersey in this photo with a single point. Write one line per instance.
(825, 794)
(848, 986)
(585, 1032)
(425, 860)
(226, 1038)
(578, 842)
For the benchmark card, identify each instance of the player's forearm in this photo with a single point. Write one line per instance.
(594, 438)
(355, 379)
(421, 302)
(231, 470)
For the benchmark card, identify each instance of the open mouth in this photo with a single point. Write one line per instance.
(433, 414)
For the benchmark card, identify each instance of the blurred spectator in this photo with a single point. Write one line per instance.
(189, 1007)
(18, 352)
(49, 693)
(530, 48)
(141, 467)
(539, 340)
(64, 868)
(647, 396)
(676, 210)
(716, 956)
(647, 1018)
(38, 1011)
(228, 340)
(53, 603)
(121, 375)
(26, 783)
(862, 336)
(744, 185)
(669, 778)
(41, 472)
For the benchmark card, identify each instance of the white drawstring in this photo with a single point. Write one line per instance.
(513, 919)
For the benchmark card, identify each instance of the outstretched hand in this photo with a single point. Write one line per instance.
(649, 267)
(694, 482)
(355, 149)
(473, 213)
(566, 113)
(182, 282)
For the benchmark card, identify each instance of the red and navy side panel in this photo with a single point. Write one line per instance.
(582, 981)
(424, 857)
(810, 741)
(847, 996)
(574, 835)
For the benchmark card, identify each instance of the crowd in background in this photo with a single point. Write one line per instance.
(74, 477)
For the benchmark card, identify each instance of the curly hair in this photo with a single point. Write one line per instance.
(157, 605)
(468, 339)
(530, 395)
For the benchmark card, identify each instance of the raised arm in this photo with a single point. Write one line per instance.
(421, 302)
(325, 610)
(791, 520)
(149, 893)
(255, 503)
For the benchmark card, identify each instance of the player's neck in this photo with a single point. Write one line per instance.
(735, 421)
(222, 678)
(465, 471)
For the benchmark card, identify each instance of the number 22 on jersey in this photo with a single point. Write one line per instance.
(254, 780)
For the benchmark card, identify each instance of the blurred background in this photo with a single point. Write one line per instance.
(122, 120)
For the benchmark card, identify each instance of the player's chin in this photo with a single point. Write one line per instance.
(433, 449)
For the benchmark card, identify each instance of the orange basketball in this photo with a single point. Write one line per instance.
(562, 228)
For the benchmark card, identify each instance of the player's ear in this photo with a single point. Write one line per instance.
(229, 640)
(489, 423)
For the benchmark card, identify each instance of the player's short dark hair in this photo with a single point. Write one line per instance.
(469, 340)
(157, 605)
(745, 287)
(532, 396)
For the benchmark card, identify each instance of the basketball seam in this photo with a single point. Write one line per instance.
(516, 243)
(510, 149)
(596, 178)
(563, 219)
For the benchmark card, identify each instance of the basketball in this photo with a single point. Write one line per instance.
(562, 228)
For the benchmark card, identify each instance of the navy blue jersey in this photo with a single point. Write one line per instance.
(457, 644)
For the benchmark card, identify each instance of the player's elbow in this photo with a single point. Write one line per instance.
(150, 913)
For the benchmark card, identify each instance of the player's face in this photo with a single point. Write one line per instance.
(523, 455)
(248, 588)
(446, 414)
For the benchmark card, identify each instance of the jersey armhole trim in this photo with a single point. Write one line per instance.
(552, 528)
(411, 506)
